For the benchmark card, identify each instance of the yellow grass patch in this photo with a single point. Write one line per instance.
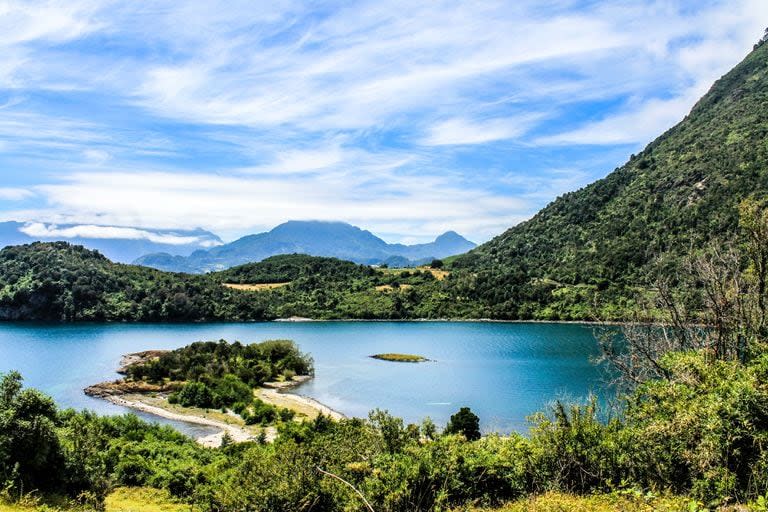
(560, 502)
(122, 499)
(439, 274)
(141, 499)
(389, 288)
(255, 287)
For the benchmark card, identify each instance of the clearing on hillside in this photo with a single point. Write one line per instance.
(255, 287)
(439, 274)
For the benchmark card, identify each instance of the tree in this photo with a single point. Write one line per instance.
(30, 453)
(436, 264)
(464, 422)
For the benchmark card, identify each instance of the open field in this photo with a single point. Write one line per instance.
(261, 287)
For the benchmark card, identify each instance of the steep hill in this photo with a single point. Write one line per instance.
(679, 192)
(316, 238)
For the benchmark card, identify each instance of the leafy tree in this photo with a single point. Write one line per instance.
(29, 448)
(466, 423)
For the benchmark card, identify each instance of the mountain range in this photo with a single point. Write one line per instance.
(315, 238)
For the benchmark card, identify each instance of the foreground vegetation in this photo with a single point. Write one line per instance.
(700, 432)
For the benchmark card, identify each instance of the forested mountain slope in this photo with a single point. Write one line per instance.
(682, 190)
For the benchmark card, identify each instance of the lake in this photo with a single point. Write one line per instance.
(503, 371)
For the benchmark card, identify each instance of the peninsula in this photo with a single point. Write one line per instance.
(238, 389)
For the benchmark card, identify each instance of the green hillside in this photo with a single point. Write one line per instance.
(62, 282)
(680, 191)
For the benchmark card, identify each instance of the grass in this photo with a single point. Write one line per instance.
(261, 287)
(122, 499)
(615, 502)
(400, 358)
(130, 499)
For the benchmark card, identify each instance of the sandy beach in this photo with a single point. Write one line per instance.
(303, 405)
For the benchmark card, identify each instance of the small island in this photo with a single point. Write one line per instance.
(400, 358)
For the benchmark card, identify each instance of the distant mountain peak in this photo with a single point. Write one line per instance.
(451, 236)
(313, 237)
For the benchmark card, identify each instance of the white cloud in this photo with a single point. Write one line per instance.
(466, 131)
(365, 64)
(301, 161)
(15, 194)
(720, 35)
(98, 156)
(228, 203)
(38, 229)
(24, 24)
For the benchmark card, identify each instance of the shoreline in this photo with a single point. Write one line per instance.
(273, 393)
(439, 320)
(239, 434)
(338, 320)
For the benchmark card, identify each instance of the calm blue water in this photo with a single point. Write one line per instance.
(503, 371)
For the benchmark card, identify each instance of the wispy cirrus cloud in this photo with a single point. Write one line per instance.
(407, 118)
(460, 131)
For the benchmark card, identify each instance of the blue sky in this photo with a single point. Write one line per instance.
(405, 118)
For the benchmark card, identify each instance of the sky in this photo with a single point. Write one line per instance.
(404, 118)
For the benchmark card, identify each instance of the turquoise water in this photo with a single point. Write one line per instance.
(503, 371)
